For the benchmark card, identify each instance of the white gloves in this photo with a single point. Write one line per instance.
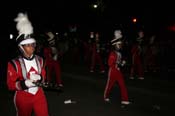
(35, 77)
(29, 83)
(123, 63)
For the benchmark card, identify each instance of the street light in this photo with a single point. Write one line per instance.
(11, 36)
(95, 5)
(134, 20)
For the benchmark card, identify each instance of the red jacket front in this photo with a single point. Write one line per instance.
(15, 73)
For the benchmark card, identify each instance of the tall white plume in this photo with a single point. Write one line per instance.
(23, 25)
(117, 34)
(51, 35)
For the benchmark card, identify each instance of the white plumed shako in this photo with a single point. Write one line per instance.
(117, 37)
(25, 29)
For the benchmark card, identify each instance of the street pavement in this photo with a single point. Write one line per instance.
(153, 96)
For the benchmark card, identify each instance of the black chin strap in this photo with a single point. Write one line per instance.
(29, 58)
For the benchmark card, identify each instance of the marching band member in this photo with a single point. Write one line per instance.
(137, 61)
(51, 55)
(24, 71)
(115, 61)
(96, 54)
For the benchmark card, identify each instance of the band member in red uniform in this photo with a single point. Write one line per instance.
(151, 51)
(96, 55)
(115, 62)
(52, 55)
(24, 71)
(137, 61)
(87, 47)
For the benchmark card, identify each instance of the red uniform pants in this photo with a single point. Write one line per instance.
(136, 67)
(27, 103)
(115, 75)
(53, 67)
(96, 58)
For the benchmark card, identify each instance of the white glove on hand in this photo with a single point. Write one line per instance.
(123, 62)
(29, 83)
(35, 77)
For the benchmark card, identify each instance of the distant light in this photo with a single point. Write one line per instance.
(11, 36)
(172, 27)
(95, 5)
(134, 20)
(56, 33)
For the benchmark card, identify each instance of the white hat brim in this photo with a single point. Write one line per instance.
(119, 42)
(27, 41)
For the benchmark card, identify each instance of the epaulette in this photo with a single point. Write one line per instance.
(13, 62)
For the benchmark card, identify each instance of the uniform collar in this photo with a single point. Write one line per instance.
(29, 58)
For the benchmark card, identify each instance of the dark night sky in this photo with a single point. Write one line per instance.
(63, 12)
(48, 14)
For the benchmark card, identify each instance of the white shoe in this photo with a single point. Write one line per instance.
(102, 71)
(60, 85)
(131, 78)
(125, 102)
(141, 78)
(91, 70)
(107, 100)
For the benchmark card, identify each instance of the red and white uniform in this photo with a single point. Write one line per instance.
(87, 52)
(96, 57)
(115, 75)
(137, 65)
(27, 99)
(52, 65)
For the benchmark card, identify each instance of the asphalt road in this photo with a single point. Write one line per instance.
(153, 96)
